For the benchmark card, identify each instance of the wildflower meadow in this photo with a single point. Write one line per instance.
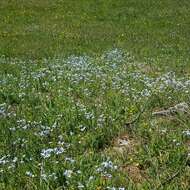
(94, 95)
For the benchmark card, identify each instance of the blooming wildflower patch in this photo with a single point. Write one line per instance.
(58, 118)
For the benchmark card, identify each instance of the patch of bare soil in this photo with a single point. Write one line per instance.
(146, 68)
(135, 173)
(124, 144)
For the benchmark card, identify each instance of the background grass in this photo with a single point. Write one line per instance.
(150, 29)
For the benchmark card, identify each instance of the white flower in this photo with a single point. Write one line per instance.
(28, 173)
(107, 175)
(79, 172)
(3, 160)
(46, 153)
(68, 173)
(69, 160)
(91, 178)
(187, 132)
(59, 150)
(80, 185)
(15, 159)
(111, 188)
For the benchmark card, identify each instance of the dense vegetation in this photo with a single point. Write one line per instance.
(80, 83)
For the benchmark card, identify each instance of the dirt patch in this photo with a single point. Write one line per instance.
(145, 68)
(136, 174)
(124, 147)
(124, 144)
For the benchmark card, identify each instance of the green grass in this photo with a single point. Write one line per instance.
(149, 29)
(61, 115)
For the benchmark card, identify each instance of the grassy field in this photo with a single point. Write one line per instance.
(150, 29)
(80, 84)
